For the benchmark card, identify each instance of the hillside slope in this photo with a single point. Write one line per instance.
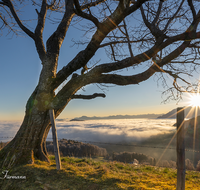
(89, 174)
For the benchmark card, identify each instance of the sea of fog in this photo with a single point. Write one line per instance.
(119, 130)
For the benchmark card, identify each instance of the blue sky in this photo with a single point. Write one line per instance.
(20, 69)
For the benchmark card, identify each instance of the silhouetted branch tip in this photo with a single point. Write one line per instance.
(88, 97)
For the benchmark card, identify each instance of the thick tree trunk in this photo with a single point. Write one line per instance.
(29, 142)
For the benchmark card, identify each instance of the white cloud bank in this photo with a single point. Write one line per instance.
(8, 130)
(121, 130)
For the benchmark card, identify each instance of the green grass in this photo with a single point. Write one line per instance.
(93, 174)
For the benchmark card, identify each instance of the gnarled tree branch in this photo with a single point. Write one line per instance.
(9, 4)
(171, 19)
(56, 39)
(79, 12)
(192, 8)
(158, 13)
(88, 97)
(39, 30)
(151, 26)
(92, 4)
(127, 35)
(82, 58)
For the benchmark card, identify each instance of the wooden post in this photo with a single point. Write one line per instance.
(180, 148)
(55, 140)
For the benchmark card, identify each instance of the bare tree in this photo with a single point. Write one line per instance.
(162, 35)
(6, 20)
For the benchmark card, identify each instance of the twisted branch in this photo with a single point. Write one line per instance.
(88, 97)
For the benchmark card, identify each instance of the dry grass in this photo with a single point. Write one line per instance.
(79, 174)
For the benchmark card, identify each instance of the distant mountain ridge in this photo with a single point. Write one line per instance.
(172, 114)
(148, 116)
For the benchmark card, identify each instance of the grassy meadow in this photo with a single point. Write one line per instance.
(95, 174)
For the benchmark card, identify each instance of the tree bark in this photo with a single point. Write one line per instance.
(29, 142)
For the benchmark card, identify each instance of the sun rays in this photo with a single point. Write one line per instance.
(194, 105)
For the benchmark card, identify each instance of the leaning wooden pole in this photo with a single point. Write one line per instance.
(55, 140)
(180, 148)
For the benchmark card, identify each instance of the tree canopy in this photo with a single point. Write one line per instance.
(162, 34)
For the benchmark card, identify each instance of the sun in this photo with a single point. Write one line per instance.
(195, 100)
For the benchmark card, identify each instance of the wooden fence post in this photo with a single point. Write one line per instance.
(180, 149)
(55, 140)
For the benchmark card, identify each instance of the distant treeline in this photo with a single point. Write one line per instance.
(77, 149)
(129, 157)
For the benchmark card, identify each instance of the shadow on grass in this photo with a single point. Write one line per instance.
(39, 177)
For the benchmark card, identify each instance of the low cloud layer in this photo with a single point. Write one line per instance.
(130, 130)
(8, 130)
(121, 130)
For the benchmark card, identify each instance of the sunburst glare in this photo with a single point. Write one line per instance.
(195, 100)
